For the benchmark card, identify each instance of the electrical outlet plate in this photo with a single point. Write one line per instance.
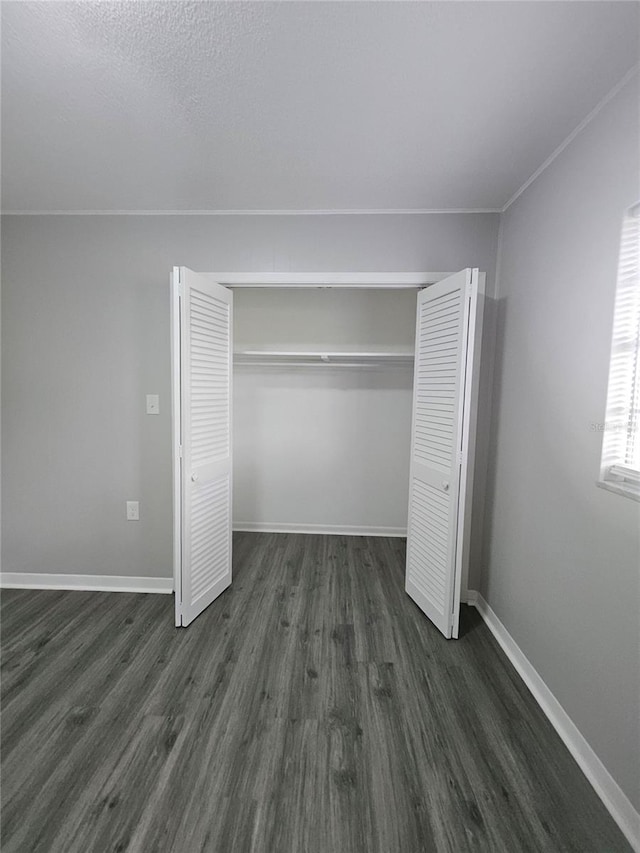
(133, 511)
(153, 404)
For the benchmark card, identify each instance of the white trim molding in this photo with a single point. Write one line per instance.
(392, 211)
(85, 583)
(324, 529)
(615, 800)
(577, 130)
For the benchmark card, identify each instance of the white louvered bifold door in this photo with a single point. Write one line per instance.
(205, 373)
(440, 443)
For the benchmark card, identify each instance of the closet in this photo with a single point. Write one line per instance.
(332, 422)
(322, 409)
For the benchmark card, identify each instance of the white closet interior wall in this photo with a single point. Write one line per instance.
(322, 447)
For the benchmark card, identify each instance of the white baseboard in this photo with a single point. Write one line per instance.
(97, 583)
(326, 529)
(615, 800)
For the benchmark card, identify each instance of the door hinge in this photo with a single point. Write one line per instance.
(180, 451)
(460, 457)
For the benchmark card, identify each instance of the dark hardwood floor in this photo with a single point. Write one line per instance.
(311, 709)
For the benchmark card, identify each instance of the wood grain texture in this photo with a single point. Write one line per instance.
(311, 709)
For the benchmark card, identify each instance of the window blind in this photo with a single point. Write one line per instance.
(621, 442)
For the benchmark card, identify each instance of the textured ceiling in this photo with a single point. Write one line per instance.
(298, 105)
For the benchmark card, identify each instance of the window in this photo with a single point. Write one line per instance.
(621, 429)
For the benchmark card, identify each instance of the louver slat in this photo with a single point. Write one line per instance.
(430, 386)
(210, 539)
(427, 559)
(210, 368)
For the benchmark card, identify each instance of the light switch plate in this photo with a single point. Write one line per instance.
(153, 404)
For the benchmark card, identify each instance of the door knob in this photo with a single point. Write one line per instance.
(445, 486)
(194, 477)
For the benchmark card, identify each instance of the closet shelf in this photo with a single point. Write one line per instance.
(270, 358)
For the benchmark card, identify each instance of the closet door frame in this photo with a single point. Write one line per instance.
(366, 280)
(343, 280)
(469, 437)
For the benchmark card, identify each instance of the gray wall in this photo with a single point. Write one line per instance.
(563, 556)
(86, 334)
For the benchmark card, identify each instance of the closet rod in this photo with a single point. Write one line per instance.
(302, 286)
(319, 359)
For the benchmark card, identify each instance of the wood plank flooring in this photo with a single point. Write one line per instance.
(311, 709)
